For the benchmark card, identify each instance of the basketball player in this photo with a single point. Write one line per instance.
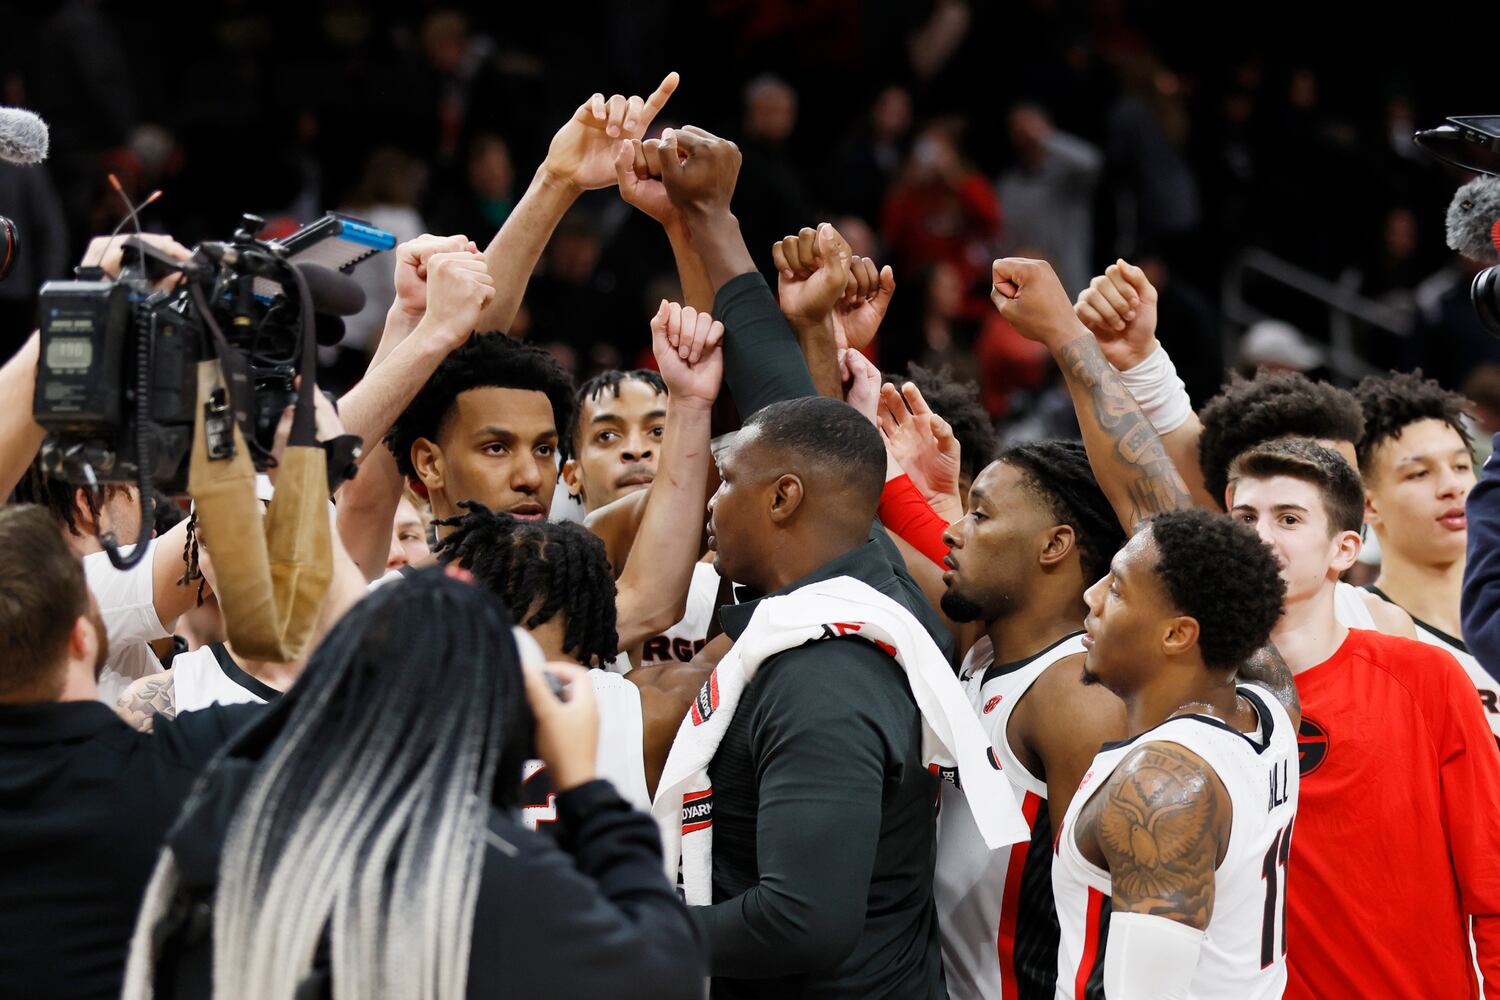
(484, 428)
(1170, 866)
(1119, 308)
(1418, 468)
(1397, 845)
(557, 583)
(610, 451)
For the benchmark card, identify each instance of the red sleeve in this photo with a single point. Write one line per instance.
(904, 510)
(1469, 774)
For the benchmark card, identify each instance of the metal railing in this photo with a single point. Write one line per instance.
(1344, 305)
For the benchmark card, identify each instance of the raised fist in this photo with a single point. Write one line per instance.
(686, 344)
(1031, 298)
(699, 171)
(458, 288)
(814, 268)
(411, 268)
(1119, 309)
(638, 169)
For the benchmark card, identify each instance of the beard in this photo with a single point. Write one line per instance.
(959, 608)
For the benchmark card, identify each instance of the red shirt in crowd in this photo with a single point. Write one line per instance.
(1397, 840)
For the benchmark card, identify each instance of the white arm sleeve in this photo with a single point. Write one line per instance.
(1149, 957)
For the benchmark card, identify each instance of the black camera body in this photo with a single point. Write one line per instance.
(117, 375)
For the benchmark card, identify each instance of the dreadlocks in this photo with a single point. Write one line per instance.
(540, 568)
(1059, 473)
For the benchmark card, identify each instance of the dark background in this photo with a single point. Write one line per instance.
(1220, 127)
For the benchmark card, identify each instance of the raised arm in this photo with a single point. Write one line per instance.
(762, 359)
(441, 287)
(580, 158)
(1126, 453)
(1119, 309)
(652, 590)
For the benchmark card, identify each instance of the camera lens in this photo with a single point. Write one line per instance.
(10, 246)
(1485, 293)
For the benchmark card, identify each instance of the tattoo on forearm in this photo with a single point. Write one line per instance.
(1152, 482)
(1266, 668)
(144, 701)
(1159, 833)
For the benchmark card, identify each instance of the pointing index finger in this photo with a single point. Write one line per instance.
(658, 99)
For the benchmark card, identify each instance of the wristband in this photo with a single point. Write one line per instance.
(1149, 957)
(1158, 391)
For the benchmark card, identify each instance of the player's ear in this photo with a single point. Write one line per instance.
(427, 459)
(1057, 543)
(1181, 635)
(572, 477)
(1346, 550)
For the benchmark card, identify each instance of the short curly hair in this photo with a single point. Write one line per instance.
(540, 569)
(1059, 473)
(595, 387)
(1393, 402)
(485, 360)
(1248, 412)
(957, 402)
(1303, 458)
(1222, 575)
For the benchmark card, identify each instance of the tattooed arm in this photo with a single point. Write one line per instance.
(1127, 455)
(1267, 669)
(146, 698)
(1162, 829)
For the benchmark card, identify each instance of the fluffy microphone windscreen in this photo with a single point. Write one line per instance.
(23, 137)
(1472, 215)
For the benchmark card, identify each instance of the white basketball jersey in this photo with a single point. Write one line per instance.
(995, 916)
(1244, 951)
(681, 642)
(1350, 609)
(1484, 682)
(209, 676)
(620, 758)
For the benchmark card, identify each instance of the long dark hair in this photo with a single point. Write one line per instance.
(367, 811)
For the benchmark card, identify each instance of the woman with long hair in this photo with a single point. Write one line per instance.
(362, 839)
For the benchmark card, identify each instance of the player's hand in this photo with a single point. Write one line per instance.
(686, 344)
(923, 445)
(699, 170)
(638, 169)
(1031, 298)
(814, 274)
(857, 316)
(582, 153)
(459, 286)
(411, 268)
(861, 383)
(1119, 309)
(567, 732)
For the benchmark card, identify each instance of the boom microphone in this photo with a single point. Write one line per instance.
(23, 137)
(1474, 220)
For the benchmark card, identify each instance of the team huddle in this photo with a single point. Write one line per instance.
(916, 716)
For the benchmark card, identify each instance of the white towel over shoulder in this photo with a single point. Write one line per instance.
(829, 609)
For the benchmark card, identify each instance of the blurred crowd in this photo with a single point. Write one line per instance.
(1041, 128)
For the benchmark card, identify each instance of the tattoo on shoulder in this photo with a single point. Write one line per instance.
(1266, 668)
(1156, 485)
(1159, 833)
(147, 698)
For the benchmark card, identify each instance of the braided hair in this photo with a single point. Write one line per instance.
(540, 569)
(1058, 473)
